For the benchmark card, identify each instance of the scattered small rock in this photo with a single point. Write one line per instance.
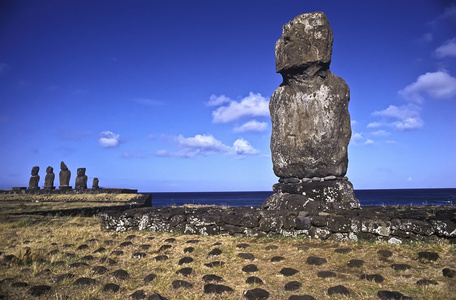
(38, 290)
(130, 237)
(288, 272)
(170, 240)
(138, 255)
(156, 296)
(19, 284)
(117, 252)
(181, 284)
(77, 265)
(340, 289)
(84, 281)
(343, 250)
(149, 278)
(355, 263)
(212, 277)
(145, 247)
(99, 250)
(293, 286)
(193, 242)
(99, 270)
(385, 253)
(254, 280)
(120, 274)
(42, 272)
(217, 289)
(271, 247)
(165, 247)
(250, 268)
(277, 258)
(111, 287)
(189, 250)
(301, 297)
(400, 267)
(53, 252)
(215, 264)
(160, 258)
(449, 273)
(425, 255)
(256, 294)
(326, 274)
(87, 257)
(108, 260)
(185, 260)
(373, 277)
(125, 244)
(426, 282)
(248, 256)
(62, 277)
(185, 271)
(82, 247)
(317, 261)
(215, 251)
(139, 294)
(391, 295)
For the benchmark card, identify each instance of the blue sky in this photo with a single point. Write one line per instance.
(173, 95)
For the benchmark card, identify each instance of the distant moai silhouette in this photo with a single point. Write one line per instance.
(64, 176)
(33, 183)
(81, 179)
(49, 179)
(95, 183)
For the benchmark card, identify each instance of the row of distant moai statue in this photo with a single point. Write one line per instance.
(64, 178)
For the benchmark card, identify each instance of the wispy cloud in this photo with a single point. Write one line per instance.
(215, 100)
(447, 49)
(109, 139)
(252, 125)
(189, 147)
(436, 85)
(254, 105)
(406, 117)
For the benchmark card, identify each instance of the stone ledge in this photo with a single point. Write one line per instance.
(388, 223)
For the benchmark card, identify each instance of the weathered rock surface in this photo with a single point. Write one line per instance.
(64, 176)
(81, 179)
(49, 179)
(34, 179)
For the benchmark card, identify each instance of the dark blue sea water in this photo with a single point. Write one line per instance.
(416, 197)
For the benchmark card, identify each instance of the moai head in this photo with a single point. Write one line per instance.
(35, 170)
(49, 169)
(81, 171)
(63, 166)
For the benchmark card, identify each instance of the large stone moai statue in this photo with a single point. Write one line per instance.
(34, 179)
(49, 179)
(310, 121)
(81, 179)
(64, 177)
(95, 184)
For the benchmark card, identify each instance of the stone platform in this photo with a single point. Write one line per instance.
(68, 190)
(384, 223)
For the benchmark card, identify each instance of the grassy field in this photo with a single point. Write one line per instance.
(29, 203)
(36, 250)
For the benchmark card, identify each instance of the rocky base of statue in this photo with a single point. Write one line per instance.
(65, 187)
(325, 196)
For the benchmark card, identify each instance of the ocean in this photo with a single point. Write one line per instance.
(415, 197)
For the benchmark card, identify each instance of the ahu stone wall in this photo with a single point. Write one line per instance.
(391, 224)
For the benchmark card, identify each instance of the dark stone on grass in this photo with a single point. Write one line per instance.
(215, 251)
(57, 263)
(373, 277)
(431, 256)
(87, 257)
(355, 263)
(271, 247)
(150, 237)
(139, 294)
(99, 250)
(108, 260)
(99, 270)
(111, 287)
(185, 271)
(38, 290)
(145, 247)
(256, 294)
(216, 263)
(125, 244)
(301, 297)
(326, 274)
(70, 254)
(62, 277)
(149, 278)
(42, 272)
(339, 289)
(165, 247)
(292, 286)
(117, 252)
(156, 296)
(138, 255)
(77, 265)
(193, 242)
(181, 284)
(317, 261)
(288, 272)
(185, 260)
(400, 267)
(254, 280)
(391, 295)
(170, 240)
(217, 289)
(85, 281)
(248, 256)
(130, 237)
(160, 258)
(250, 268)
(449, 273)
(242, 246)
(216, 244)
(26, 270)
(343, 250)
(385, 253)
(19, 284)
(277, 258)
(10, 258)
(53, 252)
(189, 250)
(212, 277)
(426, 282)
(82, 247)
(120, 274)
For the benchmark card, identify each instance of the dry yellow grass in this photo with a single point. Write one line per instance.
(39, 242)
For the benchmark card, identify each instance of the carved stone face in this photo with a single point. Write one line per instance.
(81, 171)
(49, 169)
(35, 170)
(63, 166)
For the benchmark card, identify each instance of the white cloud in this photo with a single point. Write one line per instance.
(253, 125)
(242, 147)
(407, 117)
(369, 142)
(437, 85)
(374, 125)
(447, 49)
(380, 132)
(109, 139)
(353, 122)
(215, 100)
(357, 136)
(254, 105)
